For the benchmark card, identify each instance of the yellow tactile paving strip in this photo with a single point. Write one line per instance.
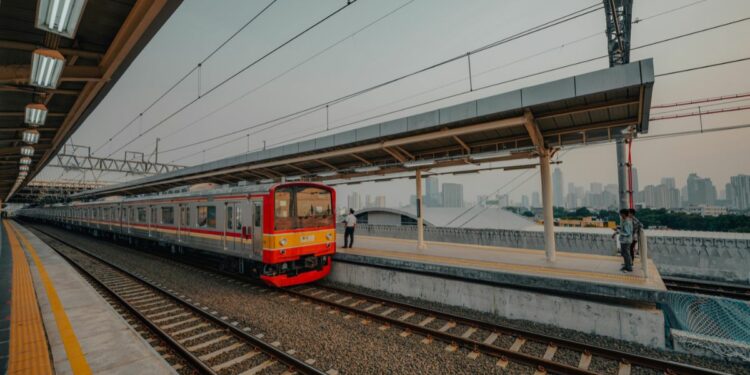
(29, 352)
(76, 358)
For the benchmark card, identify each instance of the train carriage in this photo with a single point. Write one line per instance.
(283, 233)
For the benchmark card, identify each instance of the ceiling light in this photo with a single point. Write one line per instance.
(27, 151)
(36, 114)
(59, 16)
(293, 178)
(30, 136)
(46, 67)
(327, 174)
(419, 163)
(25, 160)
(23, 168)
(372, 168)
(266, 181)
(490, 155)
(23, 174)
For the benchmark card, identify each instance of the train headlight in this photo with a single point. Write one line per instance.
(329, 236)
(283, 242)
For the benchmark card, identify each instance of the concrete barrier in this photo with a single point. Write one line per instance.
(721, 257)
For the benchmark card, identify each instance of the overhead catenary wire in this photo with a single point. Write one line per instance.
(186, 75)
(561, 67)
(237, 73)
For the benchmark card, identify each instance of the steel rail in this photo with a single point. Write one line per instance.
(285, 358)
(708, 288)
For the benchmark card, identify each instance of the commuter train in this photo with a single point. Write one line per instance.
(283, 233)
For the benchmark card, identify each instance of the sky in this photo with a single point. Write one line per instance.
(371, 42)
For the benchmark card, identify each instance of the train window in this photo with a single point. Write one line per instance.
(185, 219)
(206, 217)
(238, 218)
(141, 215)
(230, 216)
(153, 216)
(283, 203)
(302, 207)
(167, 215)
(256, 216)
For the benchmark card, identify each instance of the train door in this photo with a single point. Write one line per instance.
(257, 207)
(180, 219)
(234, 226)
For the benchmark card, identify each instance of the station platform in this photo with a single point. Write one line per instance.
(582, 275)
(54, 322)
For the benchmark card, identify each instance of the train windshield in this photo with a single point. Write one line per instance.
(302, 207)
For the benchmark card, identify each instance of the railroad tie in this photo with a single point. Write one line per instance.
(208, 343)
(372, 307)
(406, 316)
(491, 338)
(517, 344)
(168, 326)
(260, 367)
(189, 329)
(585, 360)
(343, 299)
(426, 321)
(202, 334)
(447, 326)
(624, 368)
(387, 312)
(168, 318)
(235, 361)
(550, 352)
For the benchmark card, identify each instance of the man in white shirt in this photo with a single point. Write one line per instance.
(350, 222)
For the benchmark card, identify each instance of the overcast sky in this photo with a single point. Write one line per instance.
(416, 34)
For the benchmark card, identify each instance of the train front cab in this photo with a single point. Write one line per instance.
(299, 234)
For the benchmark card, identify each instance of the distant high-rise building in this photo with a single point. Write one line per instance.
(596, 187)
(503, 200)
(432, 194)
(570, 201)
(525, 201)
(738, 192)
(669, 181)
(535, 202)
(453, 195)
(700, 190)
(354, 201)
(557, 188)
(661, 196)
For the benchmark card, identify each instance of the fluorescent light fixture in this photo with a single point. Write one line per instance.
(327, 174)
(30, 136)
(490, 155)
(293, 178)
(23, 174)
(25, 161)
(371, 168)
(27, 151)
(36, 114)
(419, 163)
(46, 67)
(266, 181)
(23, 168)
(60, 16)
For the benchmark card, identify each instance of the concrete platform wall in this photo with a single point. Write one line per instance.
(643, 325)
(689, 255)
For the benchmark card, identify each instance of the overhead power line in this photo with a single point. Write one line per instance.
(186, 75)
(235, 74)
(286, 118)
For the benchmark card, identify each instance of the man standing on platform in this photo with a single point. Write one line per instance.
(626, 239)
(350, 221)
(637, 227)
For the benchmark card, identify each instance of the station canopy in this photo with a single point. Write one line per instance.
(593, 107)
(89, 58)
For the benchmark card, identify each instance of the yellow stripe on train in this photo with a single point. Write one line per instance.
(298, 239)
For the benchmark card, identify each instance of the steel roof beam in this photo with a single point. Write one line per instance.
(20, 74)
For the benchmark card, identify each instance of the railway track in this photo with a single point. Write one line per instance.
(708, 288)
(543, 353)
(481, 337)
(210, 343)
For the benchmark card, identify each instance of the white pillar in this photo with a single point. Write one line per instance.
(420, 222)
(622, 172)
(547, 204)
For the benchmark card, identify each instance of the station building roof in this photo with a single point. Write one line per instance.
(475, 217)
(109, 35)
(587, 108)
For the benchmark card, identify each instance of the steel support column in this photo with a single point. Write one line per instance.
(420, 221)
(549, 219)
(622, 171)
